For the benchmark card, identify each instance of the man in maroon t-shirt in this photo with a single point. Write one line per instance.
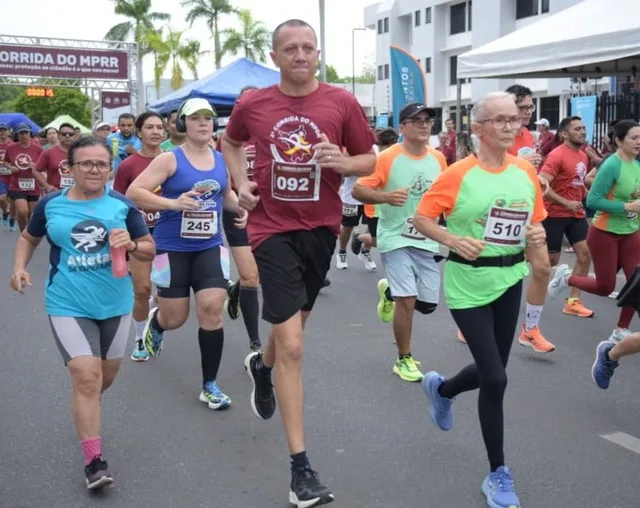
(5, 177)
(298, 128)
(23, 189)
(52, 167)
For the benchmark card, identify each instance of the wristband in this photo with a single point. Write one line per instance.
(135, 248)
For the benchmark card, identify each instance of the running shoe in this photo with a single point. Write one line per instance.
(386, 307)
(461, 337)
(255, 346)
(535, 340)
(139, 353)
(574, 307)
(341, 260)
(559, 281)
(97, 474)
(153, 339)
(212, 395)
(499, 490)
(5, 222)
(307, 490)
(603, 367)
(618, 334)
(407, 370)
(12, 226)
(232, 303)
(356, 244)
(439, 406)
(369, 264)
(263, 399)
(326, 283)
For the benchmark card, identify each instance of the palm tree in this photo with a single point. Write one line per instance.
(210, 11)
(140, 22)
(172, 50)
(252, 39)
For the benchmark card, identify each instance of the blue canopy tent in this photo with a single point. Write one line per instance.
(14, 119)
(220, 88)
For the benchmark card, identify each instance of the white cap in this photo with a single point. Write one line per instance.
(543, 121)
(196, 104)
(99, 125)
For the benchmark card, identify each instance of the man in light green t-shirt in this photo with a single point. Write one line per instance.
(175, 138)
(403, 174)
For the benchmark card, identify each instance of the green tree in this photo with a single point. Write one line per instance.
(8, 94)
(210, 11)
(69, 101)
(367, 73)
(332, 74)
(139, 24)
(253, 39)
(174, 52)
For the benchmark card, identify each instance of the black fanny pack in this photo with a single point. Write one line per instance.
(493, 261)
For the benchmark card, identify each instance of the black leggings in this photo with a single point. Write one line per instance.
(489, 332)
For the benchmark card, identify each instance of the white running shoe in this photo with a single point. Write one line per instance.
(341, 261)
(559, 281)
(369, 263)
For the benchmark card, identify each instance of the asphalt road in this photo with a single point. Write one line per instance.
(369, 434)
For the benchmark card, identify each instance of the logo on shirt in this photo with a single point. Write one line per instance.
(89, 236)
(208, 190)
(292, 139)
(581, 173)
(4, 170)
(502, 202)
(64, 168)
(23, 161)
(525, 151)
(419, 185)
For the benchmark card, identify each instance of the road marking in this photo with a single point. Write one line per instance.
(614, 295)
(625, 440)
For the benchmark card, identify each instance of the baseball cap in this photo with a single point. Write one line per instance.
(543, 121)
(22, 127)
(100, 125)
(194, 105)
(411, 110)
(4, 125)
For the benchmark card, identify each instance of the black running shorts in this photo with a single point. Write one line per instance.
(557, 227)
(235, 237)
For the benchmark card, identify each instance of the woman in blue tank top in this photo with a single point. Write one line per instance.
(190, 251)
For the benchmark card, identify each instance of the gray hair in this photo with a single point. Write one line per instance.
(478, 112)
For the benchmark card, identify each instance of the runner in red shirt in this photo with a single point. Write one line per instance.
(53, 171)
(150, 130)
(565, 169)
(298, 128)
(23, 189)
(524, 147)
(5, 177)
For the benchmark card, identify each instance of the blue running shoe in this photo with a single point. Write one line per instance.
(139, 353)
(12, 225)
(212, 395)
(498, 489)
(5, 222)
(439, 406)
(152, 338)
(603, 367)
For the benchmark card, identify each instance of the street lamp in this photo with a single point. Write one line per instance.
(353, 57)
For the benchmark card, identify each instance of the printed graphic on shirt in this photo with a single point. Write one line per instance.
(23, 161)
(89, 238)
(420, 185)
(525, 151)
(581, 173)
(208, 190)
(66, 178)
(635, 194)
(4, 169)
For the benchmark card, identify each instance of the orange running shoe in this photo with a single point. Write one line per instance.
(461, 337)
(574, 307)
(535, 340)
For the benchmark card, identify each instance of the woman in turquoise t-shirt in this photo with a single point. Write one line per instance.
(89, 308)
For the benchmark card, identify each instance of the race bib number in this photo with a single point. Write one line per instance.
(250, 162)
(410, 231)
(506, 227)
(5, 170)
(26, 184)
(295, 182)
(66, 181)
(199, 225)
(151, 218)
(350, 210)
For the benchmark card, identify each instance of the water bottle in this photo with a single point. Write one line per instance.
(118, 260)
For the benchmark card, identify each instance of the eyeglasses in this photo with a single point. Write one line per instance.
(418, 122)
(501, 123)
(527, 109)
(67, 134)
(86, 166)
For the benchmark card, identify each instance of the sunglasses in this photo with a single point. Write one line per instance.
(67, 134)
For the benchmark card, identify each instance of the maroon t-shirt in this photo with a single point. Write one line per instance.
(5, 171)
(21, 157)
(250, 153)
(128, 171)
(295, 193)
(54, 162)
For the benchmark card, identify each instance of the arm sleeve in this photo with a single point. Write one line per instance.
(441, 196)
(135, 224)
(606, 177)
(37, 226)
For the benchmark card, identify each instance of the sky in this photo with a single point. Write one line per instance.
(91, 19)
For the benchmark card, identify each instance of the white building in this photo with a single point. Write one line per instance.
(437, 31)
(365, 94)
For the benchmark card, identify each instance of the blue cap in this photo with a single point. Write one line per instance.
(22, 127)
(4, 125)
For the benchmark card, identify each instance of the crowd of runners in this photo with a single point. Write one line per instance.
(297, 172)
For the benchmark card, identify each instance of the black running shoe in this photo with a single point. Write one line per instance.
(232, 303)
(356, 244)
(97, 474)
(326, 283)
(306, 489)
(263, 399)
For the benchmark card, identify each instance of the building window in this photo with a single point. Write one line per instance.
(380, 73)
(386, 25)
(544, 6)
(379, 26)
(427, 16)
(417, 17)
(458, 18)
(386, 71)
(427, 65)
(469, 14)
(528, 8)
(453, 70)
(550, 109)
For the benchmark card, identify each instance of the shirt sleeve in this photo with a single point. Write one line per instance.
(441, 196)
(42, 164)
(37, 226)
(551, 164)
(236, 128)
(606, 177)
(357, 135)
(380, 176)
(135, 224)
(121, 182)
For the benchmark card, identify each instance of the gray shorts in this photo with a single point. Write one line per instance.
(412, 272)
(102, 338)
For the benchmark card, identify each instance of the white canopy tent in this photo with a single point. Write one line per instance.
(591, 39)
